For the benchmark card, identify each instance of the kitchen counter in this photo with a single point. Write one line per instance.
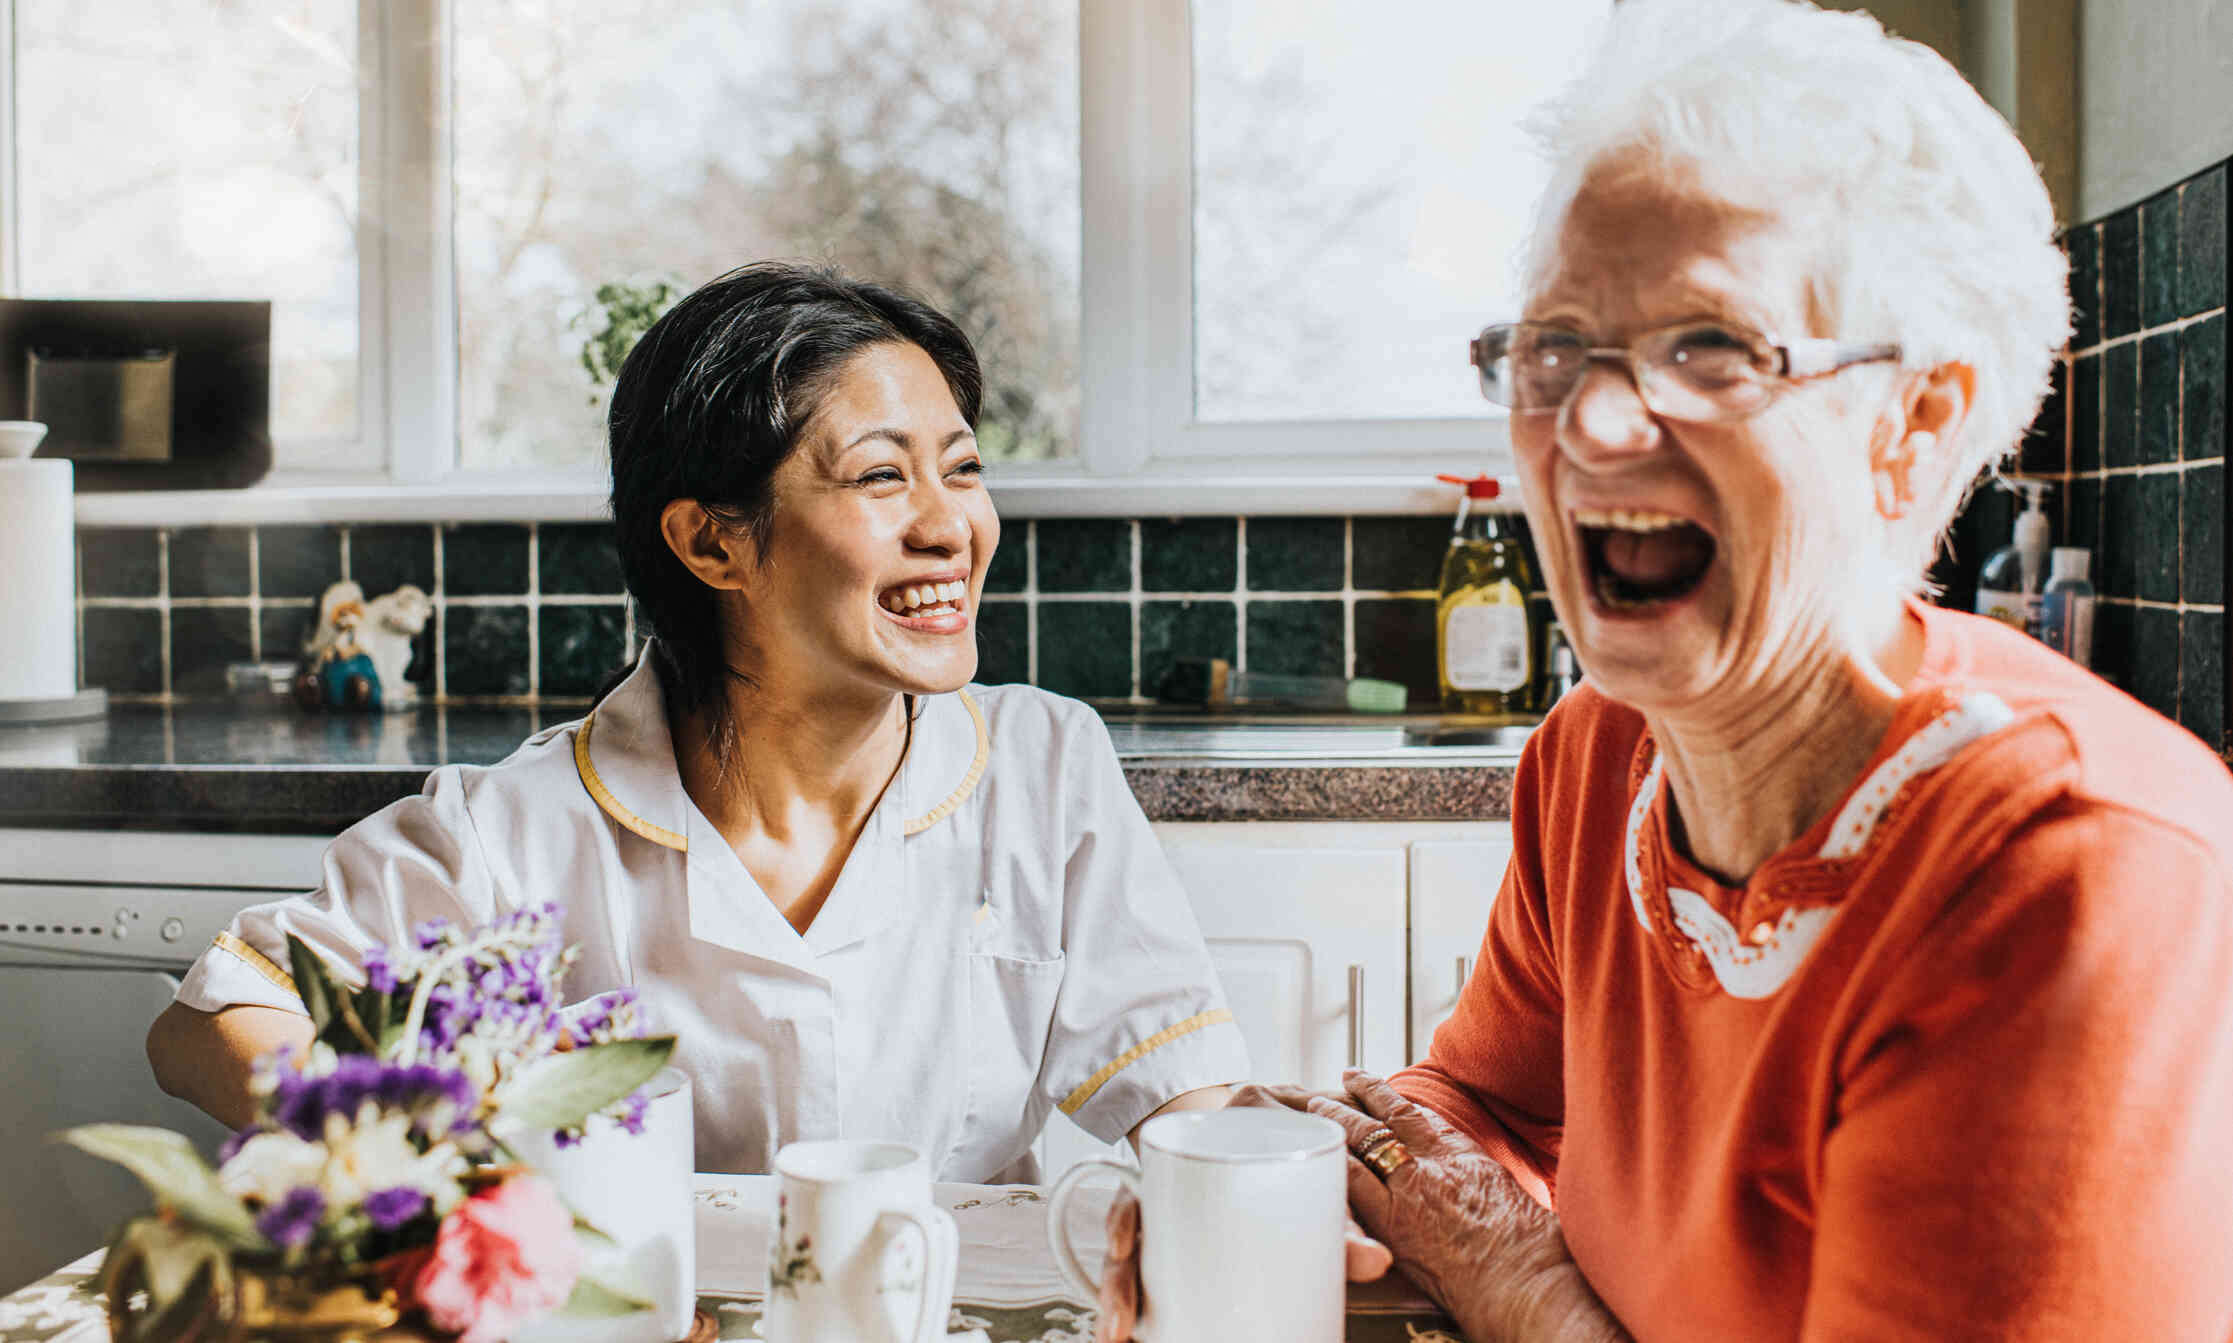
(270, 769)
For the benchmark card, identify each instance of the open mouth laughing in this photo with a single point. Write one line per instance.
(939, 603)
(1640, 559)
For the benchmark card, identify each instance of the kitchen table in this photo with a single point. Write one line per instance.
(1008, 1284)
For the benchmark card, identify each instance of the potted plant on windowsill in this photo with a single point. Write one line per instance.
(375, 1189)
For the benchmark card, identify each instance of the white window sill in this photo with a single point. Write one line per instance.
(1019, 495)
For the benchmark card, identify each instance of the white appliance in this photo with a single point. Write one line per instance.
(95, 930)
(38, 553)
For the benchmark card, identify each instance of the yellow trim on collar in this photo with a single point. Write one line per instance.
(256, 960)
(611, 805)
(968, 781)
(1077, 1099)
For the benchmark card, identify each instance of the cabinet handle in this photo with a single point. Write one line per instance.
(1356, 1016)
(1465, 972)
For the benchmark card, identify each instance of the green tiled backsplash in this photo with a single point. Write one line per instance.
(1096, 608)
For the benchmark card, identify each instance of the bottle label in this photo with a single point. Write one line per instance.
(1487, 647)
(2069, 626)
(2013, 609)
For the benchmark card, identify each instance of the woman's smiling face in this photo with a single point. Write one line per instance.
(876, 550)
(1695, 563)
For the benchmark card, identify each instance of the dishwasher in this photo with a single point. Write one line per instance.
(96, 929)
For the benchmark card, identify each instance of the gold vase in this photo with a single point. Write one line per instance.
(243, 1301)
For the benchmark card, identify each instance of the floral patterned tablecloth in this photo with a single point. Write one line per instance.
(1008, 1285)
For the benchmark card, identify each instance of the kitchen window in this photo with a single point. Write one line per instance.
(1218, 256)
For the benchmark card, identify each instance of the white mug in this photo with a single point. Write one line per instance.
(860, 1253)
(636, 1189)
(1242, 1214)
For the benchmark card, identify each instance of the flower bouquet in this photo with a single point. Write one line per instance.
(375, 1186)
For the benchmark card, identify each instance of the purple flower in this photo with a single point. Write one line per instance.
(378, 973)
(632, 1112)
(431, 933)
(291, 1222)
(300, 1104)
(391, 1208)
(567, 1137)
(231, 1146)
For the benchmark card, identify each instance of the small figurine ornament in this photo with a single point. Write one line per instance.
(357, 656)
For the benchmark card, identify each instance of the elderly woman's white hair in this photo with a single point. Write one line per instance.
(1937, 231)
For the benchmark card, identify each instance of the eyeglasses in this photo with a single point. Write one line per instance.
(1699, 372)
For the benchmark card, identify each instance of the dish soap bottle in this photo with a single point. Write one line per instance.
(1485, 635)
(2066, 608)
(2008, 587)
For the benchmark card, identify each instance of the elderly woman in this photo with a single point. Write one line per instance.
(869, 901)
(1863, 970)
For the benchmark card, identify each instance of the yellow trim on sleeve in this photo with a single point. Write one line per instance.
(611, 805)
(257, 961)
(968, 781)
(1076, 1099)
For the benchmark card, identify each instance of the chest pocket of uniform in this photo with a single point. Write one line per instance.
(1012, 1002)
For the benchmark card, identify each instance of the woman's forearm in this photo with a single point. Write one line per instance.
(207, 1058)
(1523, 1284)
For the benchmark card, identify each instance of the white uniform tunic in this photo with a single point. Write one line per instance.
(1006, 939)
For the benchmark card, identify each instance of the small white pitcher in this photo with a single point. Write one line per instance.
(860, 1254)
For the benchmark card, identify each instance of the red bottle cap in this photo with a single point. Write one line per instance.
(1476, 487)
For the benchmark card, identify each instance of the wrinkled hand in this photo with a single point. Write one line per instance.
(1119, 1306)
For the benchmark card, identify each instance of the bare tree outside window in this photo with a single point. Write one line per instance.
(929, 143)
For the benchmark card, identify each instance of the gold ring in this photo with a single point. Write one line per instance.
(1385, 1154)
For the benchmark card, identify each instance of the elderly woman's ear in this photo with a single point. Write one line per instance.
(1913, 453)
(720, 556)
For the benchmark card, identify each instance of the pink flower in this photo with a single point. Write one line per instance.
(503, 1257)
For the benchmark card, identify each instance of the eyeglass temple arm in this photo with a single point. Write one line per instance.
(1812, 358)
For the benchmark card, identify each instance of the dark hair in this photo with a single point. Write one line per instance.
(711, 402)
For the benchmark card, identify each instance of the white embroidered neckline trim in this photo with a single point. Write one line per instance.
(1748, 970)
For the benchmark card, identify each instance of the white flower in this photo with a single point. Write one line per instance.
(377, 1153)
(270, 1164)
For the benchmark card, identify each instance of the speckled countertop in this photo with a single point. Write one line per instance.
(272, 770)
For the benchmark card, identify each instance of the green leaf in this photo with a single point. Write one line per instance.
(174, 1173)
(596, 1299)
(312, 984)
(561, 1090)
(171, 1256)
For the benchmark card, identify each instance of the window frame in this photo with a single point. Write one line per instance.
(1140, 448)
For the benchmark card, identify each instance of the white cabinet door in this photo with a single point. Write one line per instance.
(1453, 884)
(1307, 935)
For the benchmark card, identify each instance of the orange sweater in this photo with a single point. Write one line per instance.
(1980, 1080)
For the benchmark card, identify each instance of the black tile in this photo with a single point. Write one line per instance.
(123, 650)
(2120, 405)
(484, 649)
(2082, 521)
(2157, 560)
(204, 640)
(209, 562)
(576, 557)
(1010, 569)
(1003, 642)
(2159, 259)
(1398, 554)
(2120, 273)
(2202, 243)
(297, 561)
(1395, 642)
(2085, 413)
(2155, 659)
(2159, 397)
(486, 559)
(578, 647)
(1085, 555)
(2117, 569)
(2046, 446)
(1173, 630)
(120, 561)
(284, 630)
(2084, 246)
(1085, 648)
(2202, 544)
(2202, 687)
(1190, 555)
(2112, 642)
(1294, 554)
(1297, 638)
(384, 558)
(2202, 429)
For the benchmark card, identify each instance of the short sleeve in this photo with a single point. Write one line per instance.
(414, 860)
(1140, 1018)
(2034, 1126)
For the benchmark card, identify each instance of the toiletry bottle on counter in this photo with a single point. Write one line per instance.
(2066, 608)
(1485, 637)
(2008, 587)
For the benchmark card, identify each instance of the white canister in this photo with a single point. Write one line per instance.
(38, 610)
